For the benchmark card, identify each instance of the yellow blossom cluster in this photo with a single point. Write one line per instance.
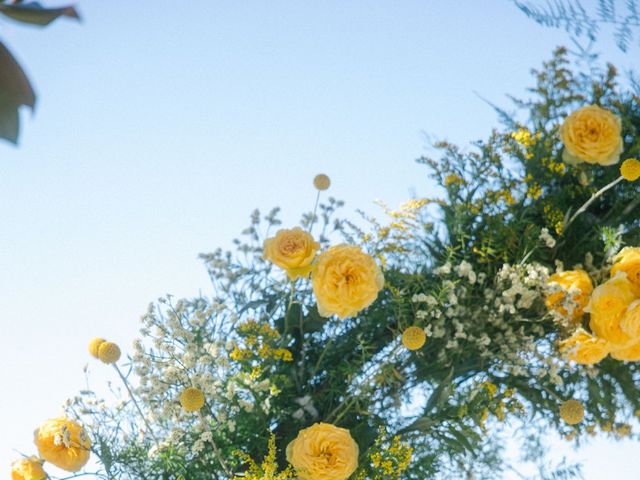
(106, 352)
(614, 309)
(259, 340)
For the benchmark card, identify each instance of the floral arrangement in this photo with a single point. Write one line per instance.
(405, 348)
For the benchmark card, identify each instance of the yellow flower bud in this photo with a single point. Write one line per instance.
(292, 250)
(192, 399)
(572, 412)
(413, 338)
(321, 181)
(94, 345)
(109, 352)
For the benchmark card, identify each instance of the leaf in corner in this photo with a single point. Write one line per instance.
(35, 14)
(15, 90)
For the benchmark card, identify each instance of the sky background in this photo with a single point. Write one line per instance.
(161, 125)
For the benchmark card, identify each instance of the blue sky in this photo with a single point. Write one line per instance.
(161, 125)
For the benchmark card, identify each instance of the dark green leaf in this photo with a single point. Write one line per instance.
(15, 90)
(34, 13)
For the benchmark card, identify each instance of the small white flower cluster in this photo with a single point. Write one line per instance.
(546, 237)
(501, 319)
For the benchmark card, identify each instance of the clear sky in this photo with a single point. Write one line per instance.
(161, 125)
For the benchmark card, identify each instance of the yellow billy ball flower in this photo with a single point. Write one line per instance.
(292, 250)
(192, 399)
(592, 134)
(28, 469)
(584, 348)
(630, 169)
(109, 352)
(321, 181)
(572, 412)
(345, 280)
(628, 354)
(94, 345)
(608, 304)
(576, 281)
(63, 443)
(628, 261)
(323, 452)
(413, 338)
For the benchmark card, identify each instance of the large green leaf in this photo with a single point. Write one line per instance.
(35, 14)
(15, 90)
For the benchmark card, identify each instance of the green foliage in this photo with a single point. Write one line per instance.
(581, 21)
(469, 266)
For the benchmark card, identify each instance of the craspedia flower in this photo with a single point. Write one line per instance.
(345, 280)
(63, 443)
(572, 412)
(584, 348)
(630, 169)
(292, 250)
(109, 352)
(413, 338)
(94, 346)
(192, 399)
(28, 469)
(323, 452)
(592, 134)
(321, 181)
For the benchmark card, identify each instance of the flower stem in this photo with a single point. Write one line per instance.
(135, 402)
(216, 450)
(593, 198)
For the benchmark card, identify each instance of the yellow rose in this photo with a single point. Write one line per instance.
(628, 261)
(592, 134)
(293, 250)
(630, 322)
(28, 469)
(64, 443)
(323, 452)
(570, 281)
(608, 304)
(584, 348)
(630, 354)
(345, 280)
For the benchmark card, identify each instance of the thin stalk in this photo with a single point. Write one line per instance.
(593, 198)
(135, 402)
(216, 450)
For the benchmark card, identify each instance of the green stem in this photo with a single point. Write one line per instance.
(593, 198)
(133, 399)
(216, 450)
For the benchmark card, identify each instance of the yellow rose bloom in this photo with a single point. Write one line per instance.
(629, 354)
(28, 469)
(323, 452)
(584, 348)
(628, 261)
(63, 443)
(630, 322)
(630, 169)
(608, 304)
(292, 250)
(345, 280)
(570, 280)
(592, 134)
